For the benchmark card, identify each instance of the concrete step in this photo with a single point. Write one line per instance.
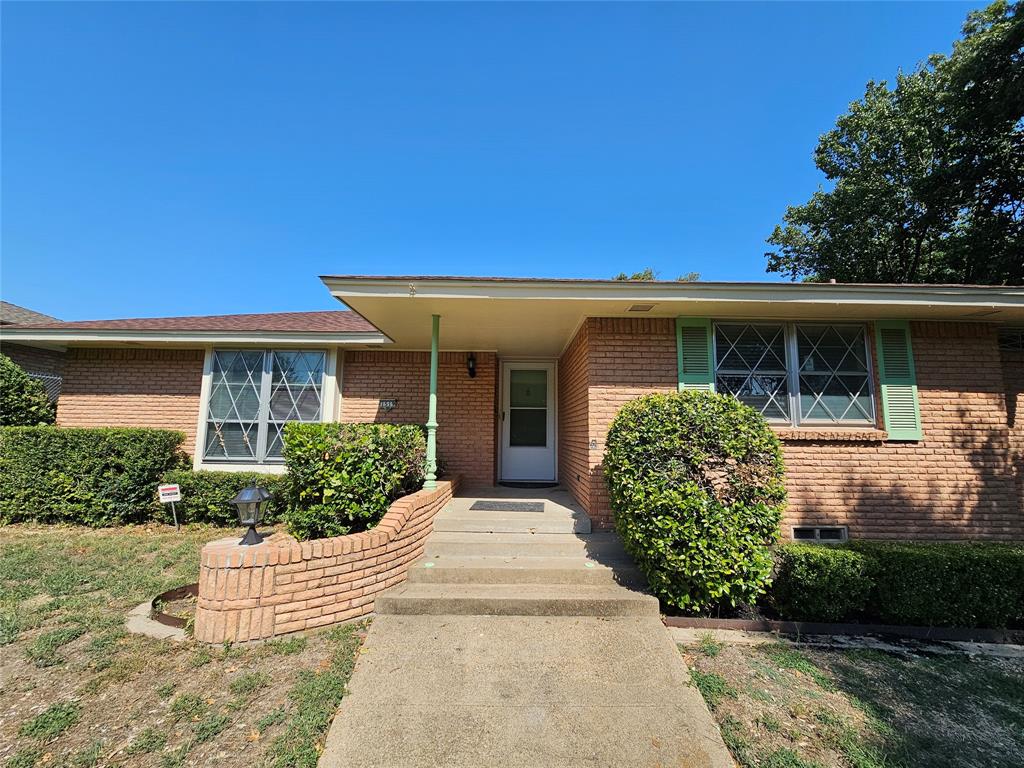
(516, 600)
(523, 570)
(597, 546)
(509, 523)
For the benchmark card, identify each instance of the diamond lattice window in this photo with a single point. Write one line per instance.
(1011, 339)
(796, 373)
(834, 382)
(751, 365)
(253, 394)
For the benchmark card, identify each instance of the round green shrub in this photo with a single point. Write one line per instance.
(23, 400)
(696, 486)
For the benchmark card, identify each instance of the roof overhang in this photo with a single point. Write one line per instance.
(182, 339)
(534, 317)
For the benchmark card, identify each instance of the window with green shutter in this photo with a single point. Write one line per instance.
(693, 353)
(898, 380)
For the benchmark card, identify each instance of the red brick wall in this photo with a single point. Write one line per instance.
(1013, 379)
(465, 407)
(282, 586)
(956, 483)
(132, 388)
(35, 360)
(628, 358)
(573, 418)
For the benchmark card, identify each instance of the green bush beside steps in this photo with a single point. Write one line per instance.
(949, 584)
(696, 486)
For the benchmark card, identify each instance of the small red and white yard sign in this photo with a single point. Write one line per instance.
(169, 493)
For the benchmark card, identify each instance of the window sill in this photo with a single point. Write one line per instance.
(831, 434)
(228, 466)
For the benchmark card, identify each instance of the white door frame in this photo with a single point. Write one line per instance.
(505, 452)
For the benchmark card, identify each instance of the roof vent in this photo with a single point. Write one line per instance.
(641, 308)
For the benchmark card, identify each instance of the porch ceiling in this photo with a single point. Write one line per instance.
(536, 318)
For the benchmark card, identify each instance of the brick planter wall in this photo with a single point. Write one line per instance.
(283, 586)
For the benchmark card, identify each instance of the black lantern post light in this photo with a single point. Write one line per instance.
(252, 505)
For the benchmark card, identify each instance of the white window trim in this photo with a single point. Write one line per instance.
(330, 404)
(793, 372)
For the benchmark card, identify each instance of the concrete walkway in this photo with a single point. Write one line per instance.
(519, 649)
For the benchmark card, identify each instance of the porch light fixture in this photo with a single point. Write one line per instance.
(252, 504)
(471, 365)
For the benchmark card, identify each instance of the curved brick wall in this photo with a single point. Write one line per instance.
(282, 586)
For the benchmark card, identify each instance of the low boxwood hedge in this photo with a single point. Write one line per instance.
(819, 583)
(95, 477)
(947, 584)
(696, 486)
(343, 477)
(206, 496)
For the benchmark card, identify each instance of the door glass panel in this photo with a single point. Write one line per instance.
(528, 389)
(528, 427)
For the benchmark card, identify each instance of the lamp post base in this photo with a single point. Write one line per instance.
(251, 537)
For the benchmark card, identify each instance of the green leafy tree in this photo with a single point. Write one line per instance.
(649, 274)
(927, 176)
(646, 274)
(23, 400)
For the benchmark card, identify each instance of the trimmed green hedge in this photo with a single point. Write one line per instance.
(95, 477)
(23, 400)
(696, 486)
(343, 477)
(948, 584)
(819, 583)
(206, 496)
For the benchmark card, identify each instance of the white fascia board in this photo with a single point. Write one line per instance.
(190, 337)
(982, 297)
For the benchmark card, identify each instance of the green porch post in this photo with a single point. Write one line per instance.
(430, 481)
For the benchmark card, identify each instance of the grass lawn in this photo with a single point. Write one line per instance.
(784, 706)
(77, 691)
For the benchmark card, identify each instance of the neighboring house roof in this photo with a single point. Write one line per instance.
(331, 321)
(13, 314)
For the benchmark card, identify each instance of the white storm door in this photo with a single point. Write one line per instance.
(528, 421)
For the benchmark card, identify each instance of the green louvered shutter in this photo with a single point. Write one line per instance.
(899, 382)
(693, 353)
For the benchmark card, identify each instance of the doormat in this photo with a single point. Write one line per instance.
(511, 484)
(507, 506)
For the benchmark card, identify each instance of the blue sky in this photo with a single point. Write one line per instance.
(163, 159)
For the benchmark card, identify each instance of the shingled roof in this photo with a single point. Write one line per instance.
(332, 321)
(11, 314)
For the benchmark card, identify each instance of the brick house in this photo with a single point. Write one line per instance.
(899, 407)
(43, 363)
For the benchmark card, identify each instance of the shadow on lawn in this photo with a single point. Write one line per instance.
(943, 711)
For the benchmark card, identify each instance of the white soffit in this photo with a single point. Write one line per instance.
(533, 318)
